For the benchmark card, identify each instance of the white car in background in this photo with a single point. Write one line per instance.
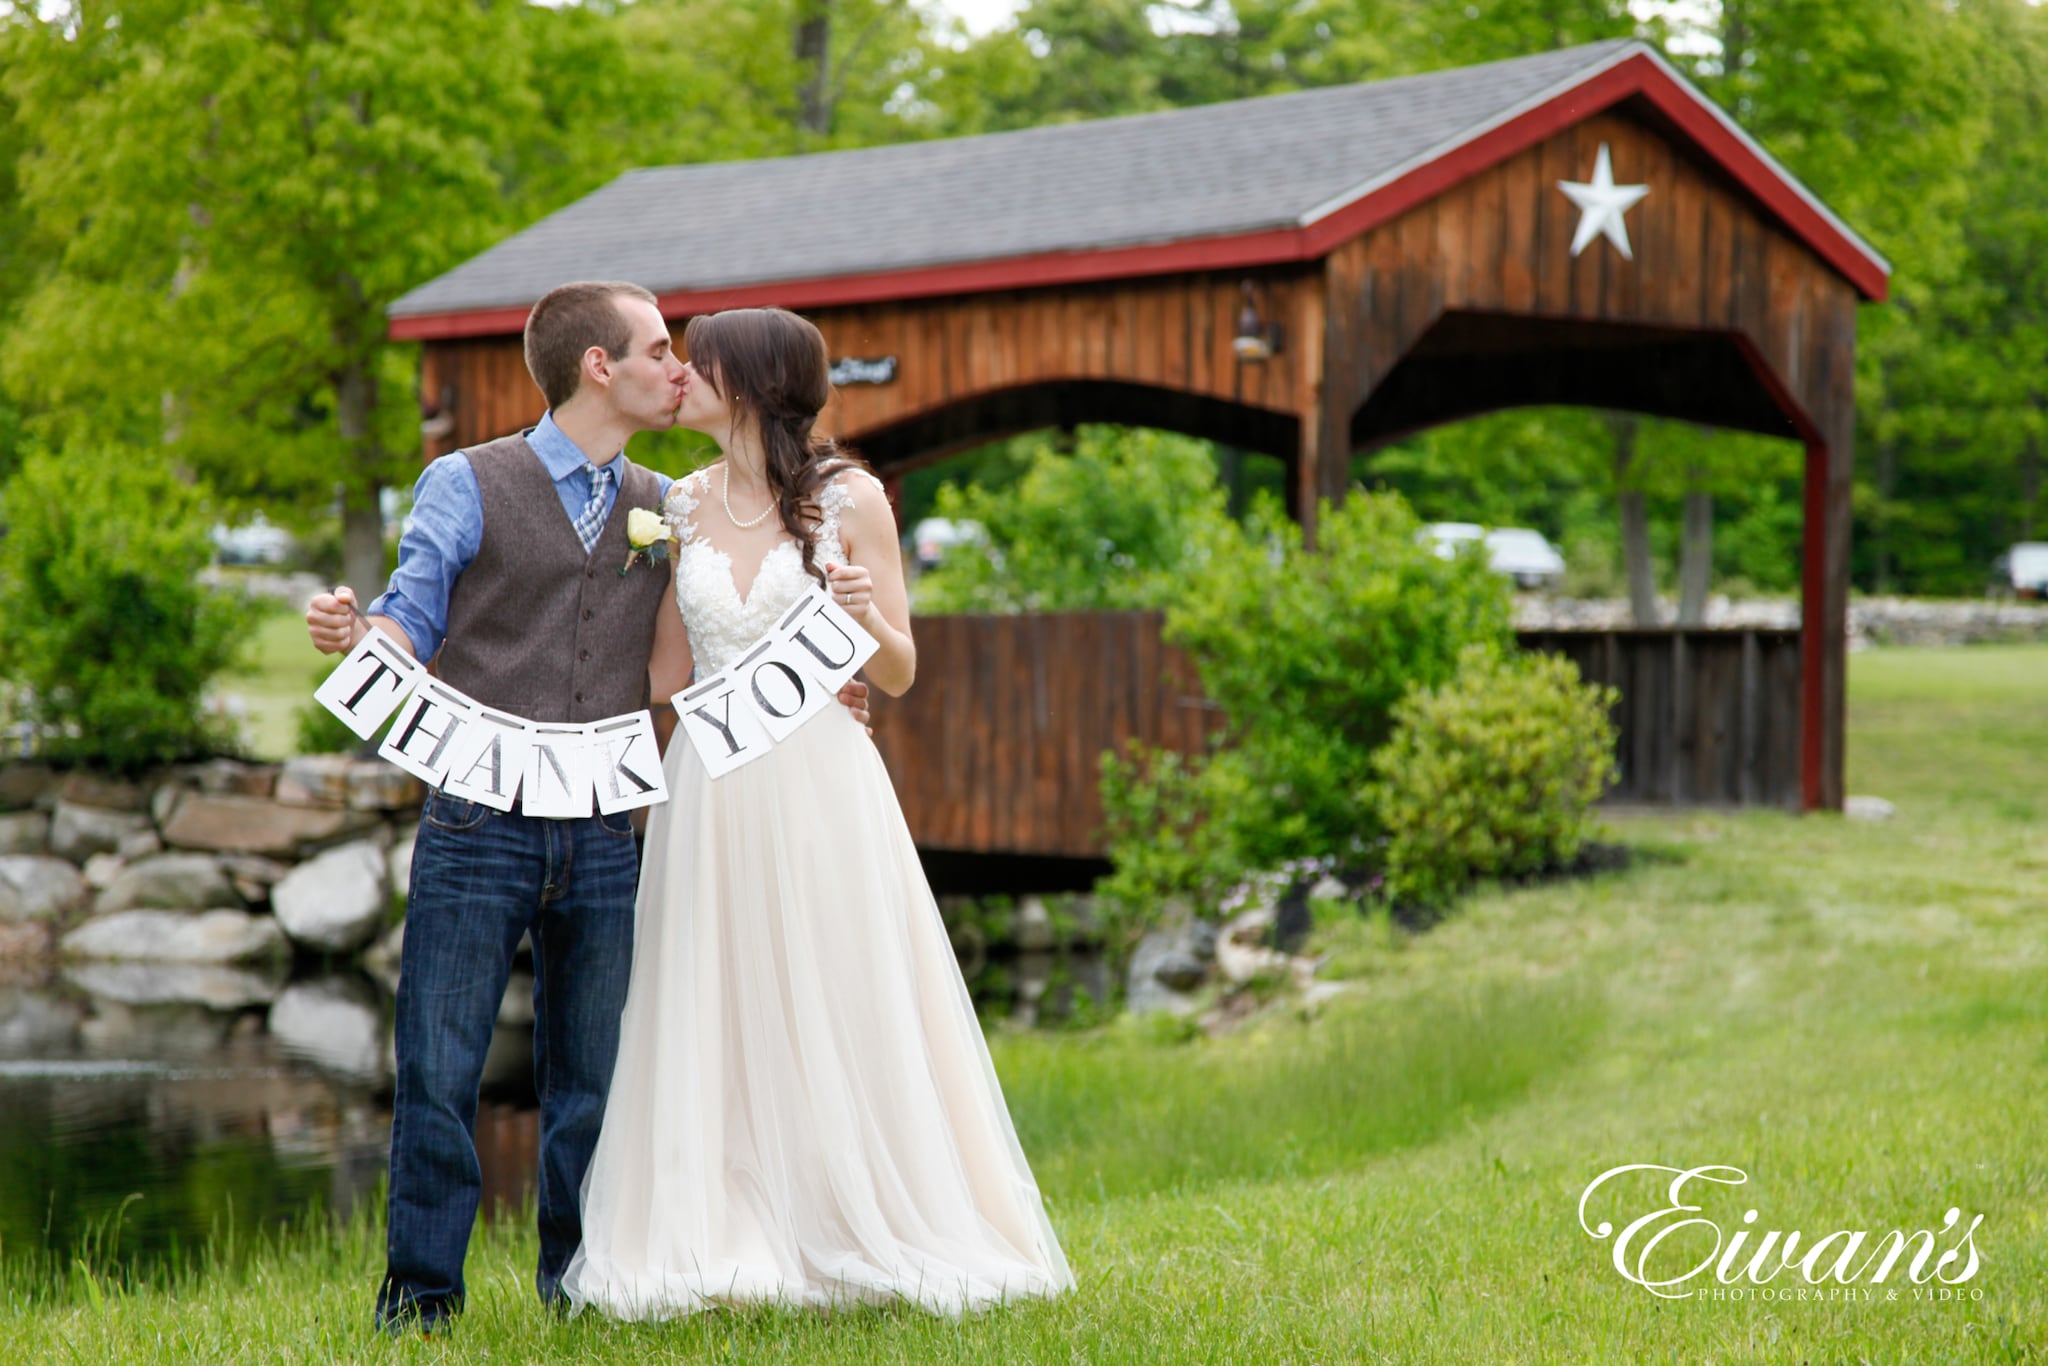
(2022, 571)
(1523, 555)
(933, 537)
(257, 543)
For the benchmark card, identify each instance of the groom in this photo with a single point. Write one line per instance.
(508, 583)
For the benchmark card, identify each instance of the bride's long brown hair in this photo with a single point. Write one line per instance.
(769, 365)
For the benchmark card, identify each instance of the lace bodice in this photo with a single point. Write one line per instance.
(721, 625)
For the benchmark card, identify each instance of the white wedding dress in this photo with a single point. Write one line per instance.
(804, 1111)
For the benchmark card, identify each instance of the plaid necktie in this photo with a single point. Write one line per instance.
(590, 522)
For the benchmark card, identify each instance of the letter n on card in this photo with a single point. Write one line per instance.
(558, 778)
(369, 683)
(723, 730)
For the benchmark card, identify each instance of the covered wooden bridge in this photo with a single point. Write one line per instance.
(1307, 275)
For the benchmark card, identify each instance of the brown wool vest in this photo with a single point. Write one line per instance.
(535, 626)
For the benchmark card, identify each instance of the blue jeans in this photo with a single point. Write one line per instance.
(481, 879)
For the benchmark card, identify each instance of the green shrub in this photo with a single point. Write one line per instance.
(1115, 523)
(1307, 652)
(1491, 774)
(105, 622)
(1163, 838)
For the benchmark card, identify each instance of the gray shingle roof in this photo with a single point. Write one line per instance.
(1214, 170)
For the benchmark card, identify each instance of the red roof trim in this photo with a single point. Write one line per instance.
(1638, 74)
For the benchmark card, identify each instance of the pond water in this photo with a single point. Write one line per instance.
(145, 1109)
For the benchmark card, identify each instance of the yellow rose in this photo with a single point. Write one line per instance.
(644, 528)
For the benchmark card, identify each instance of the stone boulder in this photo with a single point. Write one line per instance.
(24, 832)
(32, 1022)
(374, 785)
(217, 986)
(401, 863)
(36, 887)
(337, 901)
(1242, 952)
(79, 832)
(106, 794)
(169, 936)
(140, 845)
(333, 1024)
(233, 778)
(23, 786)
(247, 825)
(314, 780)
(101, 870)
(171, 882)
(1169, 964)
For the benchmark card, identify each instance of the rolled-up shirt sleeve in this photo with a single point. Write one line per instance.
(447, 527)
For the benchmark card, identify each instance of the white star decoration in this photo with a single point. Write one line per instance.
(1601, 205)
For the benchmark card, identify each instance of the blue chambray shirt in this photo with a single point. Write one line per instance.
(448, 528)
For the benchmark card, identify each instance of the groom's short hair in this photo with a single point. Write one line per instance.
(569, 320)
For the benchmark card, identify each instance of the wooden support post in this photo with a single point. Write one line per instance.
(1815, 632)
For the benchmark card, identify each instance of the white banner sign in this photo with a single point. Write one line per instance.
(790, 675)
(451, 741)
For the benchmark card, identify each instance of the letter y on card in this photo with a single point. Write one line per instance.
(722, 728)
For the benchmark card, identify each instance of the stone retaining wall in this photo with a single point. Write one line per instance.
(1872, 621)
(212, 864)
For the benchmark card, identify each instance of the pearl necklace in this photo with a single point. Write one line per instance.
(724, 491)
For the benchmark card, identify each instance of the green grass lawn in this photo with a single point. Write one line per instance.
(279, 670)
(1856, 1015)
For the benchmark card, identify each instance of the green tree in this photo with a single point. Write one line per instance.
(1117, 522)
(239, 190)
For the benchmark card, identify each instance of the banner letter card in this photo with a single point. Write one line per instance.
(487, 762)
(626, 763)
(832, 645)
(368, 684)
(423, 736)
(723, 729)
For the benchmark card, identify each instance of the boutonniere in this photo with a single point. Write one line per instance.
(647, 533)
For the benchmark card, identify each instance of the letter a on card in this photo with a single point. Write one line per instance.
(777, 687)
(626, 763)
(369, 683)
(722, 729)
(487, 761)
(557, 782)
(422, 739)
(831, 644)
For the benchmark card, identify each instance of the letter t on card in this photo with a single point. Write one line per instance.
(369, 683)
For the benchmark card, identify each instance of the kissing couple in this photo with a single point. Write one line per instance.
(760, 1075)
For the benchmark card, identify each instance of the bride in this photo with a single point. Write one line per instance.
(803, 1110)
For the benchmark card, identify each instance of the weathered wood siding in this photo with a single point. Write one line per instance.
(997, 750)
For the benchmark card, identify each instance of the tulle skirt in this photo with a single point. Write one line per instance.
(804, 1111)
